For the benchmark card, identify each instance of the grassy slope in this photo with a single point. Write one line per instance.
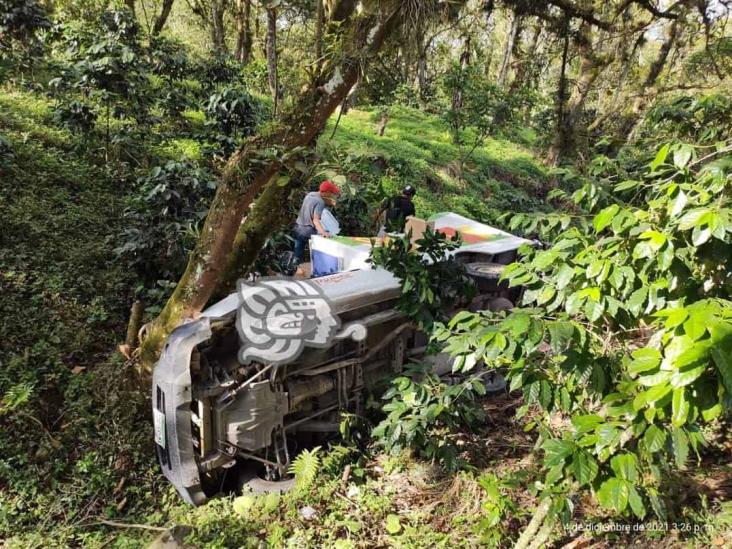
(417, 148)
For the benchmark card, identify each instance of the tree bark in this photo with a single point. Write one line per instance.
(457, 95)
(131, 6)
(569, 123)
(526, 63)
(632, 118)
(243, 51)
(253, 169)
(319, 22)
(163, 17)
(218, 36)
(508, 51)
(271, 49)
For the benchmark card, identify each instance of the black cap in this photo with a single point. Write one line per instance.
(409, 190)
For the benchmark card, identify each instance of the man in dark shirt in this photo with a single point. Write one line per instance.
(397, 209)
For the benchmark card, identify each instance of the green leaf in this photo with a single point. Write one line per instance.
(654, 438)
(644, 359)
(613, 494)
(723, 362)
(393, 526)
(678, 204)
(687, 375)
(584, 467)
(680, 444)
(564, 276)
(660, 157)
(594, 268)
(625, 466)
(605, 217)
(556, 450)
(636, 503)
(586, 423)
(594, 309)
(574, 303)
(636, 300)
(560, 334)
(651, 396)
(682, 155)
(679, 407)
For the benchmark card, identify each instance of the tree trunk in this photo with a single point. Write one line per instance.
(163, 17)
(526, 63)
(568, 126)
(244, 31)
(508, 51)
(252, 169)
(131, 6)
(272, 56)
(319, 22)
(218, 35)
(457, 95)
(632, 118)
(421, 64)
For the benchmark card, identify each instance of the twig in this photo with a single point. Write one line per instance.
(129, 525)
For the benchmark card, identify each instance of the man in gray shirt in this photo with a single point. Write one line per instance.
(308, 219)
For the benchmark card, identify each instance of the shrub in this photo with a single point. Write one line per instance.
(76, 116)
(233, 112)
(162, 219)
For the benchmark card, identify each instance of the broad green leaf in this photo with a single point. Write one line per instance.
(644, 359)
(574, 303)
(560, 334)
(660, 157)
(651, 396)
(679, 407)
(546, 293)
(613, 494)
(687, 375)
(654, 238)
(681, 446)
(723, 362)
(625, 466)
(678, 204)
(690, 219)
(564, 276)
(586, 423)
(605, 217)
(636, 503)
(682, 155)
(654, 438)
(594, 309)
(556, 451)
(636, 300)
(584, 467)
(594, 268)
(626, 185)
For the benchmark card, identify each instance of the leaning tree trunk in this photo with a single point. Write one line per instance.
(271, 49)
(244, 31)
(527, 62)
(251, 173)
(508, 52)
(163, 17)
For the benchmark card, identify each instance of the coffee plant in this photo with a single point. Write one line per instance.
(623, 342)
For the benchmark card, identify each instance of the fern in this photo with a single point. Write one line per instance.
(16, 396)
(305, 467)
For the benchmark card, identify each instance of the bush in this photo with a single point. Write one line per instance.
(162, 219)
(233, 112)
(76, 116)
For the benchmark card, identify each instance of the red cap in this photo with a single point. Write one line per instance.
(329, 187)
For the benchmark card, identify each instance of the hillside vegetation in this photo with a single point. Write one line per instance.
(154, 153)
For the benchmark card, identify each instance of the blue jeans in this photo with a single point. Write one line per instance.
(302, 235)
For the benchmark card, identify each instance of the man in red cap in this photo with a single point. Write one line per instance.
(308, 220)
